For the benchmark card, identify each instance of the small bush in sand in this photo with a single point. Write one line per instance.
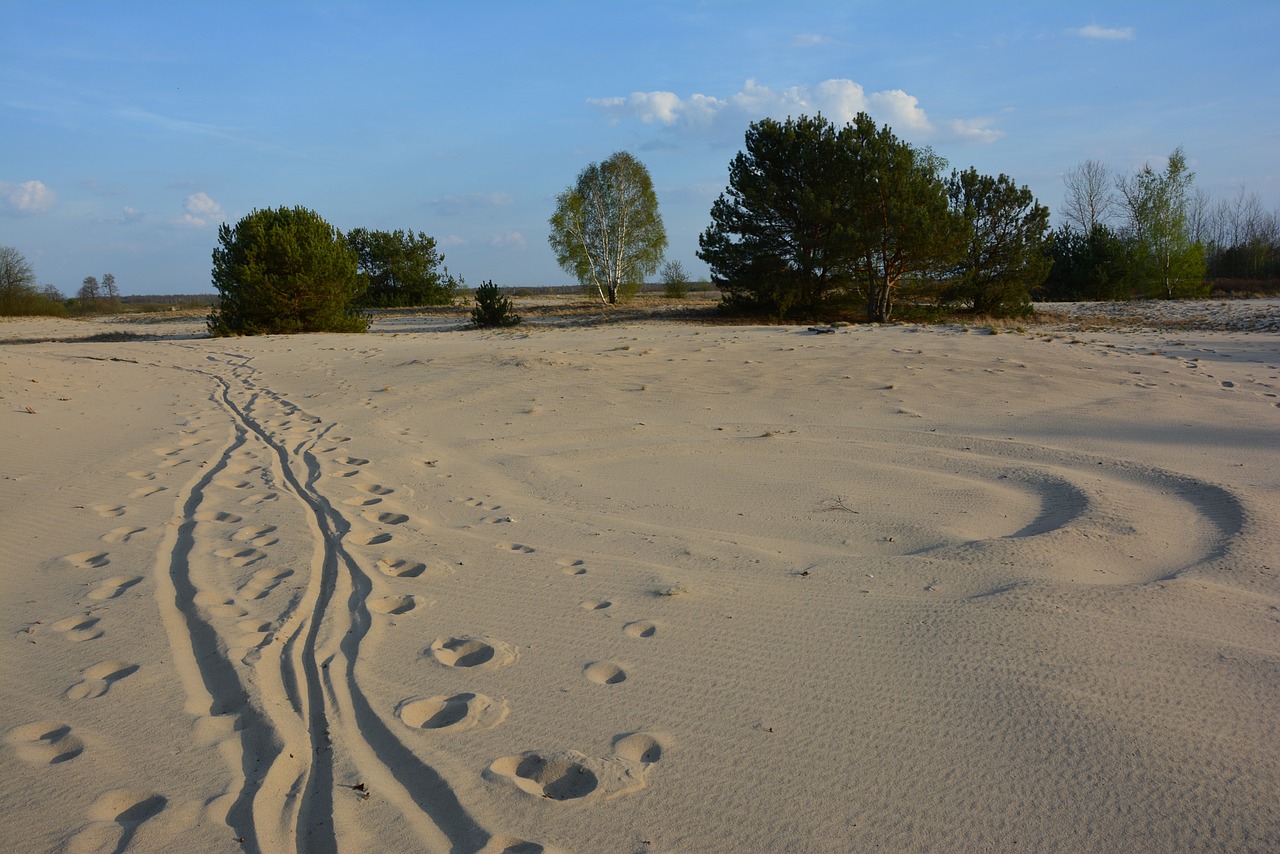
(492, 308)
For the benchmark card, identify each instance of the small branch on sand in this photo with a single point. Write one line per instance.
(837, 503)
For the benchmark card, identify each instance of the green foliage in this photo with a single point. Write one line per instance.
(817, 218)
(401, 268)
(606, 228)
(1167, 263)
(18, 292)
(285, 271)
(1093, 266)
(492, 309)
(675, 282)
(1004, 253)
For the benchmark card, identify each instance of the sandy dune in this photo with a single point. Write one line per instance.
(642, 587)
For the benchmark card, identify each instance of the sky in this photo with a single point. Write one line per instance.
(130, 130)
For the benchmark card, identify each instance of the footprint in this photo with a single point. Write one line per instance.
(147, 491)
(605, 673)
(400, 567)
(573, 567)
(122, 534)
(256, 535)
(241, 555)
(217, 516)
(391, 518)
(596, 604)
(472, 652)
(453, 714)
(45, 743)
(110, 588)
(561, 776)
(216, 606)
(87, 560)
(263, 582)
(353, 461)
(375, 489)
(260, 498)
(640, 629)
(81, 627)
(566, 775)
(109, 511)
(142, 475)
(643, 747)
(364, 537)
(361, 502)
(114, 819)
(99, 678)
(478, 504)
(396, 605)
(515, 547)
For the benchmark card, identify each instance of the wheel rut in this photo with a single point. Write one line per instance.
(271, 648)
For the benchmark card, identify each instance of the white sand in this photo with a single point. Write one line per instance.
(642, 588)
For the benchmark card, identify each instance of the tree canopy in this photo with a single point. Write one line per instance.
(401, 268)
(606, 229)
(1169, 262)
(1004, 255)
(818, 218)
(283, 271)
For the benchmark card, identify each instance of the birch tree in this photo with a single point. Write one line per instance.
(606, 229)
(1170, 263)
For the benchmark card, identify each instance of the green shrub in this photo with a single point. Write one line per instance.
(492, 309)
(284, 271)
(675, 282)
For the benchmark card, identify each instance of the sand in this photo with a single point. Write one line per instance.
(641, 587)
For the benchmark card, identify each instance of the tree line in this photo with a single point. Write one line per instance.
(1110, 246)
(20, 295)
(817, 221)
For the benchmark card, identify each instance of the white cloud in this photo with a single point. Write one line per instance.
(508, 240)
(29, 197)
(839, 100)
(1093, 31)
(975, 130)
(201, 211)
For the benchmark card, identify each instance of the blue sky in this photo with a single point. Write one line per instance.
(129, 130)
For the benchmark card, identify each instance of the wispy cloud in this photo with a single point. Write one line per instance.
(29, 197)
(454, 205)
(839, 100)
(201, 211)
(1093, 31)
(508, 240)
(173, 125)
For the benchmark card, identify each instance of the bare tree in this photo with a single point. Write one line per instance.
(1202, 217)
(1089, 199)
(111, 292)
(90, 290)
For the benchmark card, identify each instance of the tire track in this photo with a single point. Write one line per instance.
(304, 724)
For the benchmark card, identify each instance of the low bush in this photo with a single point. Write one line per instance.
(492, 309)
